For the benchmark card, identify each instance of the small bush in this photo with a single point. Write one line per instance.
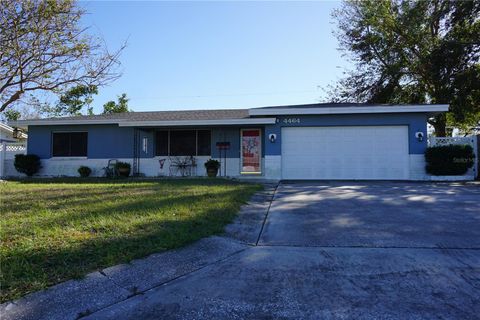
(451, 160)
(27, 163)
(84, 171)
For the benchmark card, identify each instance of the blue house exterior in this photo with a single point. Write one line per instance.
(318, 141)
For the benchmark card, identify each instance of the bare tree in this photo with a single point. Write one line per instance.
(43, 47)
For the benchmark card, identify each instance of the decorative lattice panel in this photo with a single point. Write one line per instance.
(444, 141)
(17, 148)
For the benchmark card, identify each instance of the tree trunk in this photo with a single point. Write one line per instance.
(439, 124)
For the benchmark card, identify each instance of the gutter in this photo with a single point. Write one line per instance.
(140, 123)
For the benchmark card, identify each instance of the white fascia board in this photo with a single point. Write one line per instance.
(197, 122)
(46, 122)
(349, 110)
(126, 123)
(6, 127)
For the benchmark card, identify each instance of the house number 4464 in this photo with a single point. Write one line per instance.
(291, 120)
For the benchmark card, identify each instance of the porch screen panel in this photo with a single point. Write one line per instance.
(183, 143)
(251, 151)
(204, 143)
(161, 143)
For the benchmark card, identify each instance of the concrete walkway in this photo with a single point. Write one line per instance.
(318, 250)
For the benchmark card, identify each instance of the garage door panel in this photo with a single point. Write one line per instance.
(365, 152)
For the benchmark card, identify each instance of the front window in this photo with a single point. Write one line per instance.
(69, 144)
(204, 143)
(251, 151)
(183, 143)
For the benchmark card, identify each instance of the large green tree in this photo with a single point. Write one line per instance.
(12, 115)
(45, 49)
(413, 52)
(74, 102)
(117, 107)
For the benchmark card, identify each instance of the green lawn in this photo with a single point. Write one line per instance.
(54, 230)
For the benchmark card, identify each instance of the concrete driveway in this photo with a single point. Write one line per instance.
(393, 215)
(339, 250)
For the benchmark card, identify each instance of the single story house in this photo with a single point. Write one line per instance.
(314, 141)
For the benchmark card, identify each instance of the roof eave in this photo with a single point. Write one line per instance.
(47, 122)
(142, 123)
(434, 108)
(244, 121)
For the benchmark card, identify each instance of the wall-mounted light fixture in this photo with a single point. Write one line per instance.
(272, 137)
(17, 133)
(419, 136)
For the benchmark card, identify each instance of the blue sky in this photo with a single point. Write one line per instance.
(194, 55)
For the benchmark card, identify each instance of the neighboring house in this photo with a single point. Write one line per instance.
(12, 142)
(315, 141)
(7, 134)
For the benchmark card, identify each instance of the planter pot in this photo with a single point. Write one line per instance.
(212, 172)
(124, 172)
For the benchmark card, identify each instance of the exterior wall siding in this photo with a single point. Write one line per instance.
(149, 167)
(104, 141)
(416, 122)
(113, 142)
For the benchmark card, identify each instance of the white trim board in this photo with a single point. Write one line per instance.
(434, 108)
(127, 123)
(46, 122)
(197, 122)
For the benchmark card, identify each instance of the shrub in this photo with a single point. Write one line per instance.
(123, 168)
(84, 171)
(212, 164)
(27, 163)
(451, 160)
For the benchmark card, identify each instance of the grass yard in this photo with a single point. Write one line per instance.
(55, 230)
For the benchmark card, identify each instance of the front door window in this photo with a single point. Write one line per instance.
(251, 144)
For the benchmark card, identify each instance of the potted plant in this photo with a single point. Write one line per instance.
(212, 167)
(123, 168)
(84, 171)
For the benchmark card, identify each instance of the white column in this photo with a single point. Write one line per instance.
(3, 152)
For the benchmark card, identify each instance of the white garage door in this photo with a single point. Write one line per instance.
(366, 152)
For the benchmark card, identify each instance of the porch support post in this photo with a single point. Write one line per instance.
(3, 156)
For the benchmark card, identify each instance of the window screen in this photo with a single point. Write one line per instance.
(161, 145)
(69, 144)
(182, 143)
(204, 143)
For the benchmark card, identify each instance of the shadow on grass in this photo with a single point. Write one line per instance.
(15, 201)
(200, 181)
(128, 206)
(30, 269)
